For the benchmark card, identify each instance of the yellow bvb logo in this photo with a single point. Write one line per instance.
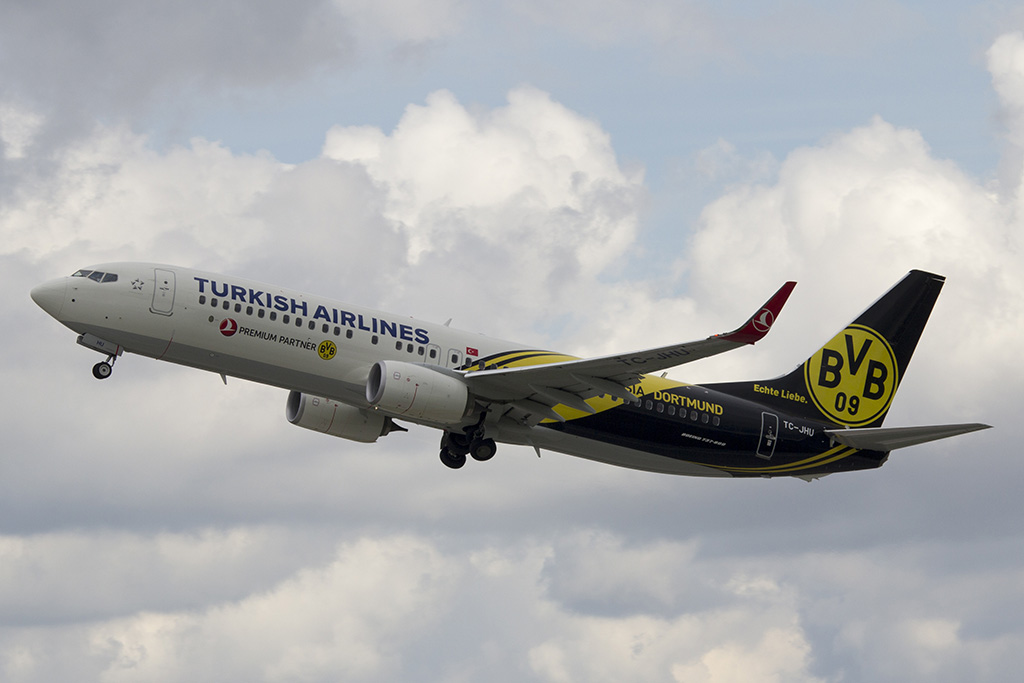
(853, 377)
(327, 349)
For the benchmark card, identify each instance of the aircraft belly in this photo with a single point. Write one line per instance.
(151, 342)
(810, 461)
(346, 384)
(629, 438)
(628, 457)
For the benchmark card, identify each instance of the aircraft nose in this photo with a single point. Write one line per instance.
(49, 296)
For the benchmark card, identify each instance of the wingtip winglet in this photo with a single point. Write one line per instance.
(758, 325)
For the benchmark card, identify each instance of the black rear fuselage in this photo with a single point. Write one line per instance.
(736, 436)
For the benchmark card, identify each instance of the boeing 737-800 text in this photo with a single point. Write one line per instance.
(355, 373)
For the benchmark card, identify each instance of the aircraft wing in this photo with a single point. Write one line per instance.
(536, 389)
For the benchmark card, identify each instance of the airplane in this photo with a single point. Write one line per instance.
(358, 373)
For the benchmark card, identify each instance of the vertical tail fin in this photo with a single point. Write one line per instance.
(852, 379)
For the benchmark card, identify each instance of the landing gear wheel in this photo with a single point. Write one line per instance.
(484, 449)
(457, 444)
(455, 461)
(102, 370)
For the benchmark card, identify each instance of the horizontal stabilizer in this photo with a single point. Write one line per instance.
(891, 438)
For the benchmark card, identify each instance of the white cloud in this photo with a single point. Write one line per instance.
(847, 218)
(524, 203)
(381, 608)
(532, 190)
(782, 654)
(349, 618)
(114, 197)
(18, 128)
(1006, 64)
(514, 172)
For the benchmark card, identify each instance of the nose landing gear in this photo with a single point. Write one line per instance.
(103, 369)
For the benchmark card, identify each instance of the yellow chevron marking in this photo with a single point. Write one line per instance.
(829, 456)
(647, 386)
(519, 359)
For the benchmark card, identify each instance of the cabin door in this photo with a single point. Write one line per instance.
(163, 291)
(769, 435)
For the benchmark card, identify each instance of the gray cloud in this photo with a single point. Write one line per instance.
(117, 55)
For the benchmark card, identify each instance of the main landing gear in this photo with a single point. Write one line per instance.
(103, 369)
(455, 447)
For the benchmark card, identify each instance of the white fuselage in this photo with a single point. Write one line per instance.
(254, 331)
(289, 339)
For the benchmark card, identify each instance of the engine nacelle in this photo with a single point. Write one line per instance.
(417, 392)
(337, 419)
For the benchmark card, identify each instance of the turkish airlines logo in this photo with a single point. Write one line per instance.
(763, 321)
(228, 327)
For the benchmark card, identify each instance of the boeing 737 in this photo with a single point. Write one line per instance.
(357, 373)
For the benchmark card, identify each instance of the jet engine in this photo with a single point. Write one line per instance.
(337, 419)
(418, 392)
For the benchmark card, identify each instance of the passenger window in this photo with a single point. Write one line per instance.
(420, 351)
(715, 421)
(409, 348)
(433, 353)
(202, 298)
(693, 415)
(704, 418)
(649, 404)
(238, 308)
(298, 322)
(326, 327)
(248, 310)
(286, 318)
(260, 313)
(671, 411)
(373, 339)
(227, 305)
(661, 407)
(398, 346)
(110, 277)
(348, 334)
(312, 325)
(213, 302)
(273, 315)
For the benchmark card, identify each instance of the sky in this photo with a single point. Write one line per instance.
(591, 177)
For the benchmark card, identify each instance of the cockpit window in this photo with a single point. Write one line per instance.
(96, 275)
